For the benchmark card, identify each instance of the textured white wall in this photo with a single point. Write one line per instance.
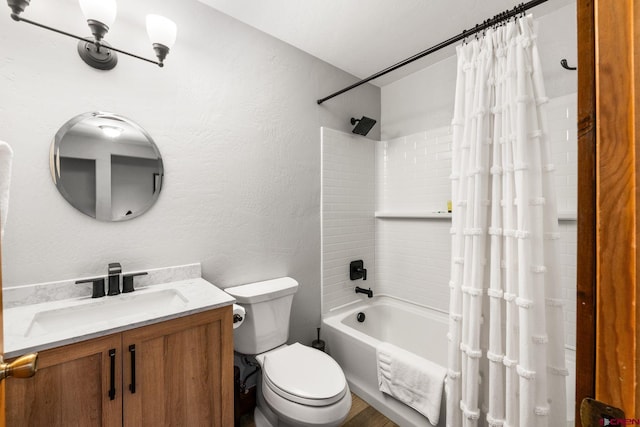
(348, 202)
(234, 116)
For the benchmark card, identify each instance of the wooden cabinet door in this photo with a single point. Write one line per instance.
(183, 372)
(73, 387)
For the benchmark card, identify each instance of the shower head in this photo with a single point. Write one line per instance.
(363, 125)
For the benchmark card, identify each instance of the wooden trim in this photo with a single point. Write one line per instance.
(2, 385)
(586, 276)
(226, 347)
(636, 103)
(616, 186)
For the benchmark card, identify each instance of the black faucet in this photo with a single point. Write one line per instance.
(367, 292)
(114, 271)
(127, 281)
(357, 270)
(98, 286)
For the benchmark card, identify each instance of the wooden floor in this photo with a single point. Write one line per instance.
(363, 415)
(360, 415)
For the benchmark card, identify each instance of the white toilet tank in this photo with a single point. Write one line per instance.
(268, 307)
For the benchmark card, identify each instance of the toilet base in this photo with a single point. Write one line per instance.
(261, 419)
(265, 417)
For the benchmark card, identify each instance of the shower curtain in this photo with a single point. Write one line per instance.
(506, 329)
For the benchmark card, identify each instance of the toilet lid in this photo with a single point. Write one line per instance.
(304, 375)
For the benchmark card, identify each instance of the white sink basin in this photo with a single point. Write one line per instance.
(105, 310)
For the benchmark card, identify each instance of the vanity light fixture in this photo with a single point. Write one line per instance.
(100, 16)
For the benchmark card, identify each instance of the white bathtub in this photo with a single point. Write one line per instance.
(353, 345)
(415, 328)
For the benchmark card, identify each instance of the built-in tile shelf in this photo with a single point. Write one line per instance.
(413, 214)
(562, 216)
(567, 216)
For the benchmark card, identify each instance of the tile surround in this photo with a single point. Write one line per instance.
(412, 175)
(412, 172)
(348, 194)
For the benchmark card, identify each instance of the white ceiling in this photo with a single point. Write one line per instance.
(363, 37)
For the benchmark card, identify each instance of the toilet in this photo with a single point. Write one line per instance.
(298, 385)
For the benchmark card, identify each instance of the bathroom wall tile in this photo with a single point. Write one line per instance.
(568, 255)
(348, 201)
(413, 172)
(413, 260)
(562, 118)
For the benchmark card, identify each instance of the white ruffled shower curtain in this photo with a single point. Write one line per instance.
(506, 329)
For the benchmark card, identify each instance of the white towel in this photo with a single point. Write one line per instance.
(6, 156)
(413, 380)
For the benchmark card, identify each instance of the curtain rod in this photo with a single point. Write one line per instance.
(466, 33)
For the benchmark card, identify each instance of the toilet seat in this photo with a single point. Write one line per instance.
(304, 375)
(295, 414)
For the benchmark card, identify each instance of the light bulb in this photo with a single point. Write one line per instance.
(161, 30)
(103, 11)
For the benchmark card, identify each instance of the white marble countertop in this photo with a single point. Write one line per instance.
(23, 332)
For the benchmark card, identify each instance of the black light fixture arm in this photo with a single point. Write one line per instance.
(19, 18)
(501, 17)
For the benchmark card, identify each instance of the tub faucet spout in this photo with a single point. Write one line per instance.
(367, 292)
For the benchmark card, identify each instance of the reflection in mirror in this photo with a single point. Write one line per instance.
(106, 166)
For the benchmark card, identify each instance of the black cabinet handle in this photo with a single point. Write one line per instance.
(132, 352)
(112, 376)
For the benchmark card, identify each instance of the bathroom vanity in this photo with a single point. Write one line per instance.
(145, 368)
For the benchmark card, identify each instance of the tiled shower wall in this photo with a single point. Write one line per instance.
(348, 203)
(409, 257)
(412, 175)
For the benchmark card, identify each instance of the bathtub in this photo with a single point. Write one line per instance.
(387, 319)
(413, 327)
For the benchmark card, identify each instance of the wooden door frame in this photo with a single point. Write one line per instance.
(586, 250)
(2, 393)
(608, 218)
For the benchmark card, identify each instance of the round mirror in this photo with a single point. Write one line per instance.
(106, 166)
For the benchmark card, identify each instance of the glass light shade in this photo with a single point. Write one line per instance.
(103, 11)
(161, 30)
